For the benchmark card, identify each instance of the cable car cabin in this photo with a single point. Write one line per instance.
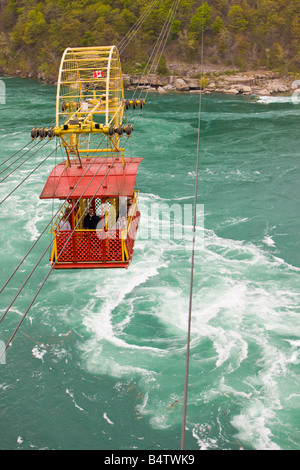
(98, 223)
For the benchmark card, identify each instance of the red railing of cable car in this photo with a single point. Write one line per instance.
(95, 246)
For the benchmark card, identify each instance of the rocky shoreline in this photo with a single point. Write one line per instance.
(248, 83)
(261, 83)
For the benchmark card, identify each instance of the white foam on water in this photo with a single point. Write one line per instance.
(243, 298)
(99, 316)
(71, 395)
(296, 344)
(268, 240)
(32, 225)
(200, 434)
(276, 99)
(254, 429)
(39, 352)
(245, 320)
(111, 296)
(107, 419)
(264, 302)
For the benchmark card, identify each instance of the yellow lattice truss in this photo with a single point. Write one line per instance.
(90, 101)
(90, 84)
(90, 104)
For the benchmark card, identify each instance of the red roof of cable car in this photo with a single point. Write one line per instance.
(119, 182)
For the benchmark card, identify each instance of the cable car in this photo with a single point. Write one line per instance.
(99, 218)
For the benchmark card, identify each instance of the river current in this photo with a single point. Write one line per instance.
(99, 361)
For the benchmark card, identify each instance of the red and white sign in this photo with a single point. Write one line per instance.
(98, 74)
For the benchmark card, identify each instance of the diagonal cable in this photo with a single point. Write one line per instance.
(186, 383)
(47, 276)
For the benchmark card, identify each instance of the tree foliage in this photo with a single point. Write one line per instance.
(241, 33)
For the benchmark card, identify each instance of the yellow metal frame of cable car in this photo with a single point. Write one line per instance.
(90, 96)
(90, 102)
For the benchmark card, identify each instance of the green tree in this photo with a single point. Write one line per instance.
(34, 33)
(9, 15)
(218, 25)
(162, 68)
(202, 20)
(237, 19)
(33, 27)
(176, 29)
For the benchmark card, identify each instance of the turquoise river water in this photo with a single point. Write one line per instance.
(99, 361)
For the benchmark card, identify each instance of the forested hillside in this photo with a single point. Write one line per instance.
(243, 34)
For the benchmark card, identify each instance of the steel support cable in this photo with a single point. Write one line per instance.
(164, 39)
(42, 233)
(28, 176)
(160, 43)
(132, 32)
(135, 28)
(36, 265)
(156, 46)
(43, 283)
(28, 158)
(154, 51)
(160, 46)
(186, 383)
(17, 159)
(20, 150)
(31, 172)
(3, 163)
(47, 276)
(165, 35)
(137, 24)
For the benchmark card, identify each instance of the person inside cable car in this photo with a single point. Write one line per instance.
(116, 231)
(64, 224)
(129, 204)
(91, 220)
(130, 208)
(123, 224)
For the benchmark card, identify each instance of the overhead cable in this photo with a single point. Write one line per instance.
(158, 49)
(135, 28)
(45, 251)
(47, 276)
(186, 383)
(5, 161)
(28, 176)
(30, 156)
(42, 233)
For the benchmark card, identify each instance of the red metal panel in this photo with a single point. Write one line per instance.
(86, 250)
(87, 247)
(90, 179)
(65, 247)
(104, 265)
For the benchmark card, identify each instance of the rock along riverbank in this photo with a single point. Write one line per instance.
(262, 83)
(248, 83)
